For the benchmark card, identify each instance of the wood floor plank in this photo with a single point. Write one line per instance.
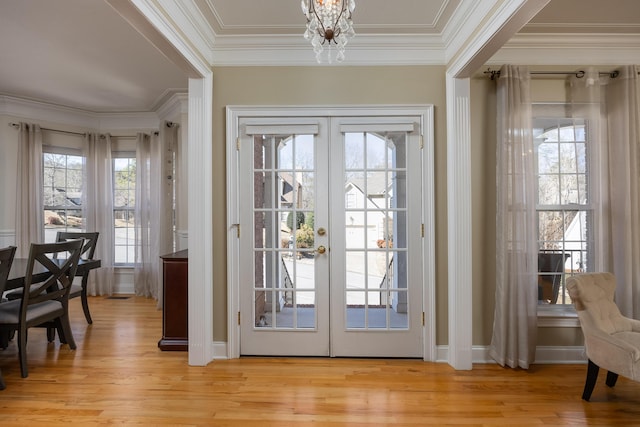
(117, 375)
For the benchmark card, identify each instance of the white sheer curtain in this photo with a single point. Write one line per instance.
(513, 342)
(154, 208)
(611, 106)
(588, 106)
(622, 100)
(98, 208)
(29, 205)
(147, 274)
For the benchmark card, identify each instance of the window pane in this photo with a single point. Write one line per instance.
(563, 230)
(62, 193)
(548, 190)
(124, 185)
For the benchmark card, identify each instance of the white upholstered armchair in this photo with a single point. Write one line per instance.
(612, 341)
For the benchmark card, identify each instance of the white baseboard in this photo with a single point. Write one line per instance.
(544, 354)
(123, 281)
(219, 350)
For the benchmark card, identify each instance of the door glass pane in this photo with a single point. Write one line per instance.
(354, 151)
(376, 232)
(355, 270)
(264, 195)
(303, 148)
(284, 192)
(375, 151)
(285, 154)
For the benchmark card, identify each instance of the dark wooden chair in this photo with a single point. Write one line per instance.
(551, 270)
(88, 250)
(44, 303)
(6, 259)
(90, 241)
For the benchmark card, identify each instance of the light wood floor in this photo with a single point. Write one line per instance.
(118, 376)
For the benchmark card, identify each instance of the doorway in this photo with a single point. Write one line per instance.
(330, 235)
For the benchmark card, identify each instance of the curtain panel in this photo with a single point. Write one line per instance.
(154, 208)
(611, 105)
(513, 341)
(623, 117)
(98, 208)
(29, 226)
(147, 271)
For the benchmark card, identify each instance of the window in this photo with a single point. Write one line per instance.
(124, 201)
(62, 191)
(564, 205)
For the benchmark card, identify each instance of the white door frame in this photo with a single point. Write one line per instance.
(234, 113)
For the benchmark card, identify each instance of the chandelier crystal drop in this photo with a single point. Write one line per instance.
(328, 22)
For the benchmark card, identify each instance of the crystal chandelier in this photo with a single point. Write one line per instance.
(328, 21)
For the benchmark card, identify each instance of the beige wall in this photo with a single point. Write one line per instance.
(483, 202)
(325, 86)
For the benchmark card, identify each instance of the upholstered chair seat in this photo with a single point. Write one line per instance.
(612, 341)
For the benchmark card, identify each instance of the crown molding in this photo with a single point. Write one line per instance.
(167, 97)
(43, 111)
(52, 113)
(198, 31)
(462, 24)
(293, 50)
(569, 49)
(174, 107)
(490, 34)
(168, 27)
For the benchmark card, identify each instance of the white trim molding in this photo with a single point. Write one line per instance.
(293, 50)
(459, 221)
(66, 116)
(235, 113)
(43, 111)
(200, 220)
(544, 355)
(569, 49)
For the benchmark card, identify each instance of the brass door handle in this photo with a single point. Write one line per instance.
(321, 250)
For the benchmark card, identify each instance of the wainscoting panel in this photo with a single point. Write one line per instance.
(7, 238)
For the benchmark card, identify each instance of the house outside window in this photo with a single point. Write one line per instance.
(124, 201)
(62, 191)
(565, 206)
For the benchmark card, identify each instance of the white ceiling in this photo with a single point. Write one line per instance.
(83, 54)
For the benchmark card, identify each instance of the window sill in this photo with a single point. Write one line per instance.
(557, 316)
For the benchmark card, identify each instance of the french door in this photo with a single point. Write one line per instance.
(330, 236)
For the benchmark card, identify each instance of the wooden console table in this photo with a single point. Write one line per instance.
(175, 315)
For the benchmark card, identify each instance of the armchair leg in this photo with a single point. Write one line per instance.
(612, 377)
(592, 376)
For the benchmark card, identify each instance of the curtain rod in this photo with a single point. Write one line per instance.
(579, 74)
(17, 125)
